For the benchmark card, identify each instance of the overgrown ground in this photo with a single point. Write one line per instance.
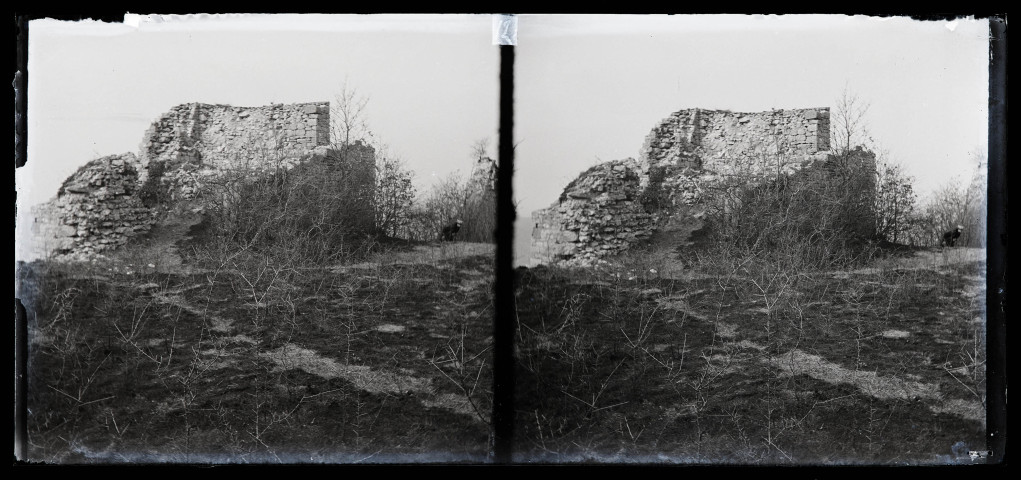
(643, 361)
(388, 359)
(139, 360)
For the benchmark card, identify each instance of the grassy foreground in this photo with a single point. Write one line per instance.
(639, 361)
(380, 361)
(389, 360)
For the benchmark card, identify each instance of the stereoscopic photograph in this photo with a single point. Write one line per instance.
(272, 239)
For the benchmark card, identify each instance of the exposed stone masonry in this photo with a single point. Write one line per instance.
(218, 134)
(111, 199)
(95, 209)
(709, 139)
(610, 207)
(598, 214)
(197, 139)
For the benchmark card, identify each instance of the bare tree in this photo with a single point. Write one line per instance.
(849, 123)
(395, 193)
(442, 204)
(480, 149)
(895, 200)
(957, 203)
(348, 123)
(480, 197)
(472, 200)
(392, 190)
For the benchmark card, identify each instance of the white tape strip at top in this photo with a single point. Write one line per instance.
(505, 30)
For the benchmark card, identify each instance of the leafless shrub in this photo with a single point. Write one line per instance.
(818, 218)
(472, 200)
(316, 212)
(953, 204)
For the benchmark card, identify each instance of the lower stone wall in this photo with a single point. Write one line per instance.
(46, 234)
(106, 203)
(601, 213)
(96, 209)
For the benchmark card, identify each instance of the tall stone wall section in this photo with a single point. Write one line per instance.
(112, 199)
(220, 134)
(196, 139)
(699, 138)
(353, 175)
(682, 157)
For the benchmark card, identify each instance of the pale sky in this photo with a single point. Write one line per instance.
(432, 82)
(590, 88)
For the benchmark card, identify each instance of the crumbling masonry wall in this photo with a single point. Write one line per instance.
(682, 157)
(196, 139)
(111, 199)
(721, 139)
(216, 134)
(95, 209)
(599, 214)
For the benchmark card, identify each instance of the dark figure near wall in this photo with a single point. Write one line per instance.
(950, 238)
(450, 230)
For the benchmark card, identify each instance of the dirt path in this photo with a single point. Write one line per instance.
(366, 378)
(936, 259)
(363, 377)
(872, 383)
(430, 254)
(882, 387)
(933, 259)
(167, 236)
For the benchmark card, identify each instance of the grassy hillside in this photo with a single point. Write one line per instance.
(647, 361)
(387, 358)
(378, 361)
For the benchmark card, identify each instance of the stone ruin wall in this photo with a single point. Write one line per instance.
(99, 207)
(600, 214)
(693, 149)
(96, 209)
(708, 139)
(217, 134)
(196, 139)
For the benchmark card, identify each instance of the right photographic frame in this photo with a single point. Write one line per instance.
(756, 240)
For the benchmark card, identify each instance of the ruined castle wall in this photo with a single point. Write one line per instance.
(47, 233)
(685, 156)
(692, 151)
(111, 199)
(219, 134)
(353, 178)
(721, 139)
(95, 210)
(599, 214)
(195, 140)
(673, 142)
